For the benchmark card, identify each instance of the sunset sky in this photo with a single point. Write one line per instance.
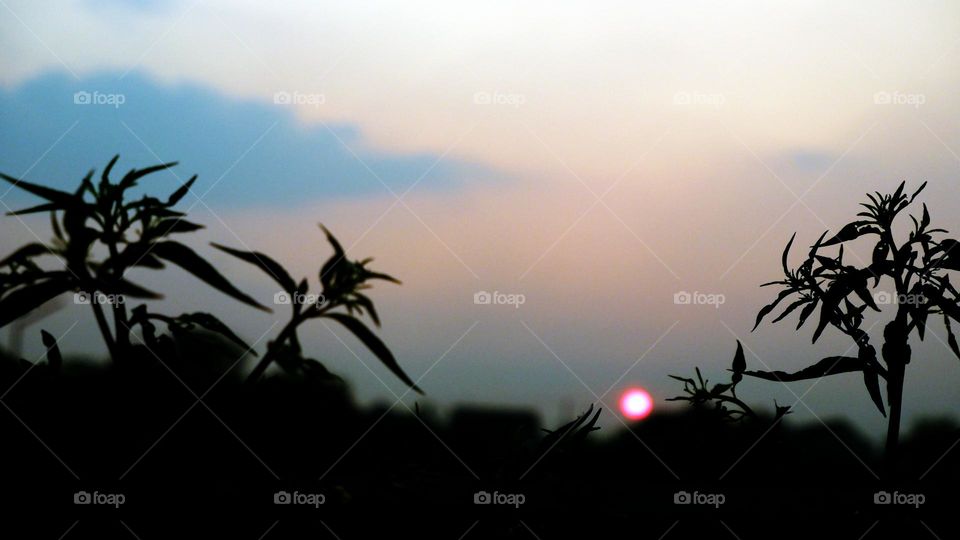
(596, 158)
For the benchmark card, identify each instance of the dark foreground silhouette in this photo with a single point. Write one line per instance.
(169, 442)
(215, 467)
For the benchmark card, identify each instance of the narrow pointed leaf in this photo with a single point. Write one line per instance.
(49, 194)
(181, 191)
(917, 192)
(786, 253)
(739, 363)
(770, 307)
(848, 232)
(54, 358)
(265, 263)
(831, 365)
(867, 298)
(871, 381)
(376, 346)
(338, 250)
(805, 313)
(951, 339)
(26, 298)
(33, 249)
(214, 324)
(46, 207)
(186, 258)
(135, 174)
(105, 176)
(176, 225)
(128, 288)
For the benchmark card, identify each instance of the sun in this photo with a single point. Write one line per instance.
(636, 403)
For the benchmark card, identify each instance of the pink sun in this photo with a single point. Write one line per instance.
(636, 404)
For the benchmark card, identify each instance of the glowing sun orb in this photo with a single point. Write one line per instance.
(636, 404)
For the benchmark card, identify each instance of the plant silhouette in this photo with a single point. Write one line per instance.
(723, 396)
(97, 217)
(342, 281)
(917, 268)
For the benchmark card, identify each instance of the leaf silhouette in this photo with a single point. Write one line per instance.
(790, 309)
(337, 248)
(828, 366)
(54, 358)
(35, 209)
(130, 179)
(827, 313)
(376, 346)
(181, 191)
(770, 307)
(951, 254)
(871, 381)
(739, 363)
(951, 339)
(128, 288)
(28, 297)
(187, 259)
(805, 312)
(176, 225)
(56, 196)
(214, 324)
(786, 253)
(30, 250)
(265, 263)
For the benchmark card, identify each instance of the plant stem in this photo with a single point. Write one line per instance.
(104, 329)
(736, 401)
(120, 323)
(272, 349)
(896, 354)
(288, 333)
(895, 398)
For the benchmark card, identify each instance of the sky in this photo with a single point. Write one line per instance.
(596, 158)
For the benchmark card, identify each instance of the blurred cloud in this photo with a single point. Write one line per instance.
(249, 153)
